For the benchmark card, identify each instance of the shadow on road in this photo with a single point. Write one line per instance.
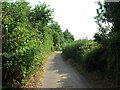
(62, 74)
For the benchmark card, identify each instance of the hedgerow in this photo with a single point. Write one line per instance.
(28, 36)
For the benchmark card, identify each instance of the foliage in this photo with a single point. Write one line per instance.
(108, 21)
(68, 37)
(103, 54)
(57, 35)
(110, 15)
(96, 60)
(28, 35)
(103, 26)
(79, 49)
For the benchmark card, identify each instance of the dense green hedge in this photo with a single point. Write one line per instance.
(29, 34)
(78, 50)
(93, 58)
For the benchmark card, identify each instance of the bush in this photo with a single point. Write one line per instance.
(78, 49)
(89, 54)
(93, 57)
(96, 60)
(24, 44)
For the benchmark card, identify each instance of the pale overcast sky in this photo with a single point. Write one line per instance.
(74, 15)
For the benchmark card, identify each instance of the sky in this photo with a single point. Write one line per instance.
(74, 15)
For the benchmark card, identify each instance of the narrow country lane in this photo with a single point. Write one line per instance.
(59, 74)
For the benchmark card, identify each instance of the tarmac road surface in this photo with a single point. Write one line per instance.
(59, 74)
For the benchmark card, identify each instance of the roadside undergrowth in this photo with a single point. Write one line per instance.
(34, 81)
(94, 78)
